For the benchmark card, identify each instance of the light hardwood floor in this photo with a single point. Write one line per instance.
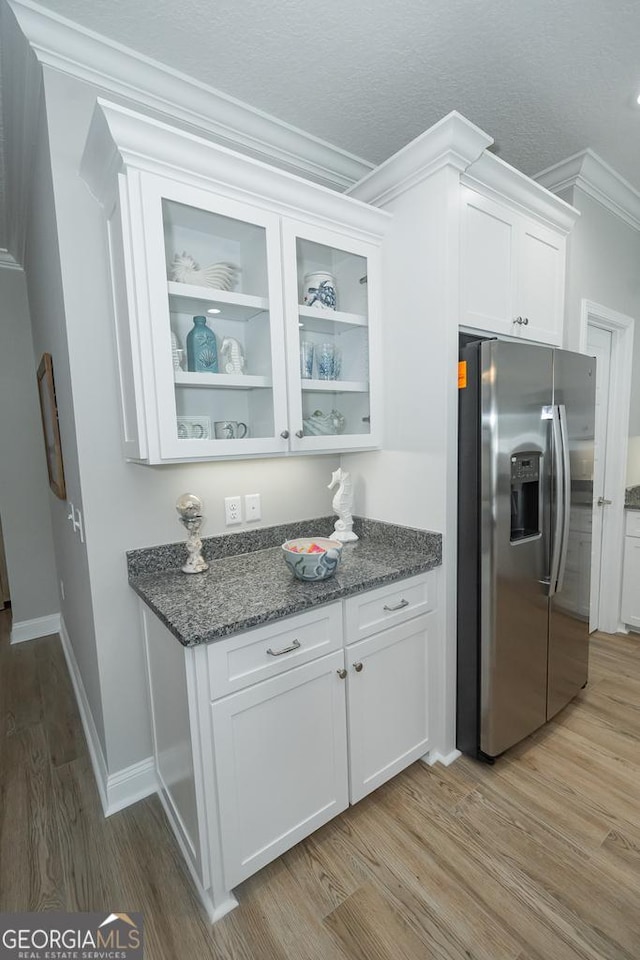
(537, 858)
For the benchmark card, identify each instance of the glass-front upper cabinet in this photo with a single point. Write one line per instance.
(216, 301)
(331, 296)
(245, 299)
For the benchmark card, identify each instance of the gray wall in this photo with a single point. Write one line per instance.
(24, 487)
(47, 307)
(604, 266)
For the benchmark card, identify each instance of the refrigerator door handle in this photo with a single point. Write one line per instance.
(558, 526)
(566, 493)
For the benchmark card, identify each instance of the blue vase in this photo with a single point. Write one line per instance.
(202, 350)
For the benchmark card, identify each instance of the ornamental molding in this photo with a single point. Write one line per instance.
(454, 141)
(591, 174)
(116, 69)
(492, 176)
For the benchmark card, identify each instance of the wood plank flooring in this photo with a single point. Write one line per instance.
(536, 858)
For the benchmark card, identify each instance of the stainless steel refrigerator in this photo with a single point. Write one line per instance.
(525, 473)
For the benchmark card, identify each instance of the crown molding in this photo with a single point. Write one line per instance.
(493, 176)
(7, 262)
(589, 173)
(453, 141)
(120, 139)
(116, 69)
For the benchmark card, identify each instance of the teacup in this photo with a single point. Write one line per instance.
(230, 429)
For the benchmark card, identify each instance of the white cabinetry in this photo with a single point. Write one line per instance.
(281, 727)
(630, 606)
(195, 230)
(512, 254)
(281, 763)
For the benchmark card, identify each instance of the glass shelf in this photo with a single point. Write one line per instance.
(187, 298)
(222, 381)
(336, 386)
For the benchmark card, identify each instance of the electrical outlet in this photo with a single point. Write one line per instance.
(232, 510)
(252, 509)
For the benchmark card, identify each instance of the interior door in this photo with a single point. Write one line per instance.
(516, 393)
(574, 389)
(599, 346)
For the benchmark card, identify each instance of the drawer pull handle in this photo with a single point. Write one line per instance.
(341, 673)
(278, 653)
(398, 606)
(358, 666)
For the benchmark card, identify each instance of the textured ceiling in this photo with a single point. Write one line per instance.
(544, 78)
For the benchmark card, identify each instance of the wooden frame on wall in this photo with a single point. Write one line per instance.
(50, 427)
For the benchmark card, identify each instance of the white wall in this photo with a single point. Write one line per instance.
(604, 266)
(129, 505)
(24, 487)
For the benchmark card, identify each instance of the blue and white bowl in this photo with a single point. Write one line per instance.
(312, 566)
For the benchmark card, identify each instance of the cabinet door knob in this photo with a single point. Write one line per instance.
(285, 434)
(341, 673)
(526, 321)
(518, 320)
(299, 434)
(358, 666)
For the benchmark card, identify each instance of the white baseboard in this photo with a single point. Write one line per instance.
(444, 759)
(127, 786)
(23, 630)
(130, 785)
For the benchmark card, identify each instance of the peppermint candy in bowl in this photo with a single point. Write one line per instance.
(312, 558)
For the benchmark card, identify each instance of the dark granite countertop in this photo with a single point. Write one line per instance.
(632, 498)
(248, 582)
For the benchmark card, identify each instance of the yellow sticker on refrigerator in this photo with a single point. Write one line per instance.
(462, 374)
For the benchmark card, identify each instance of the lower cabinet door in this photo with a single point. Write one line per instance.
(388, 703)
(630, 608)
(280, 761)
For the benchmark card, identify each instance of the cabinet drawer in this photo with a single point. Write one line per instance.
(633, 523)
(267, 651)
(378, 609)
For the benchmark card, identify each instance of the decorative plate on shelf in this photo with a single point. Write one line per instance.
(194, 428)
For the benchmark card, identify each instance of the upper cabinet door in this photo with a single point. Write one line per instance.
(540, 284)
(214, 338)
(331, 300)
(512, 272)
(488, 269)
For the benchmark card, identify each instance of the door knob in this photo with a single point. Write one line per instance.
(341, 673)
(604, 503)
(358, 666)
(285, 434)
(299, 434)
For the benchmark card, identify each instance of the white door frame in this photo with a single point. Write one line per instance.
(621, 328)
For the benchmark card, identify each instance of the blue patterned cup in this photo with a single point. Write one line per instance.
(306, 360)
(319, 565)
(327, 361)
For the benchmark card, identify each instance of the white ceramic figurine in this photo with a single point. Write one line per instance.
(343, 505)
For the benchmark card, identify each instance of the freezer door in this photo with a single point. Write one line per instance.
(516, 395)
(574, 390)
